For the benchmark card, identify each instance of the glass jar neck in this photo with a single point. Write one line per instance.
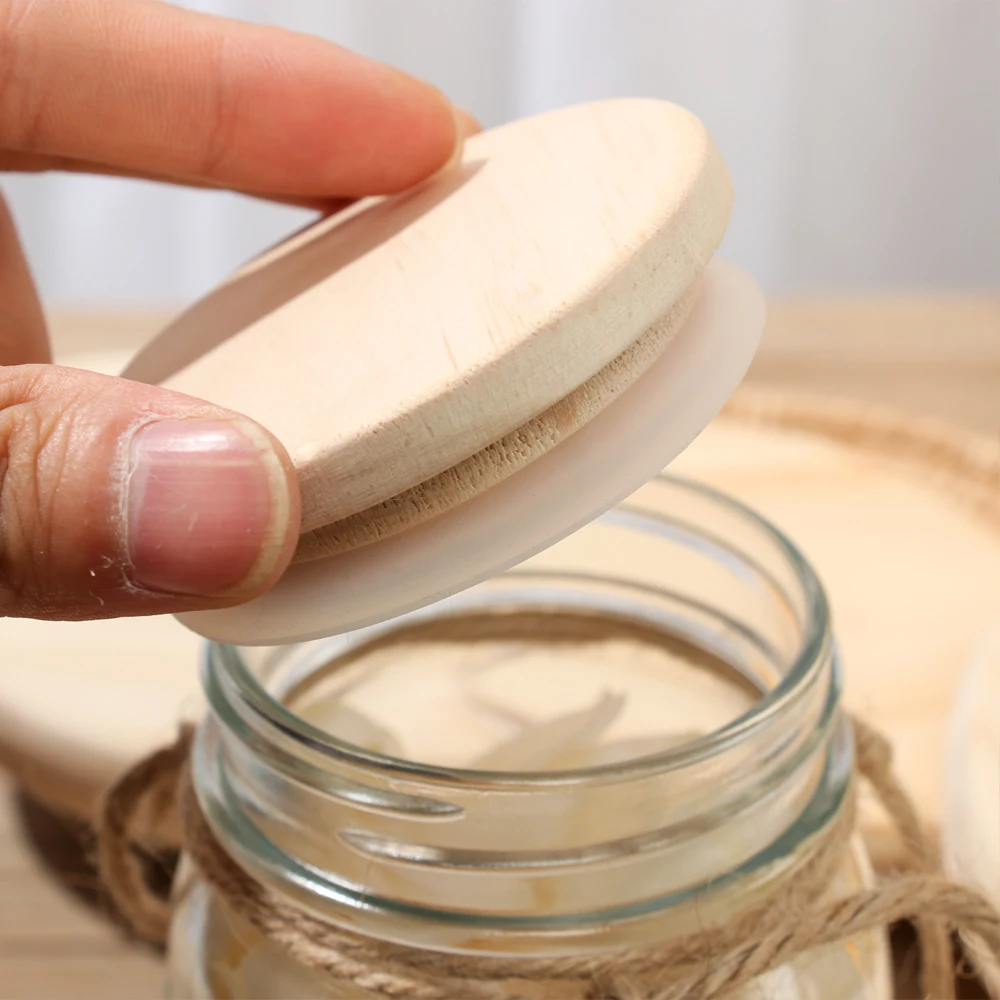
(542, 861)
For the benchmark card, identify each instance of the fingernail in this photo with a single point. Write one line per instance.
(207, 507)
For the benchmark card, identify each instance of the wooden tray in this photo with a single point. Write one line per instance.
(901, 519)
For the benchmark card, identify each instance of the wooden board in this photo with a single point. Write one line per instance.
(80, 699)
(906, 542)
(53, 947)
(934, 356)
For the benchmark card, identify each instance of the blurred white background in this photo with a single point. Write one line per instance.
(862, 135)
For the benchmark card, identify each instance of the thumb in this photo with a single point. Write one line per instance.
(118, 498)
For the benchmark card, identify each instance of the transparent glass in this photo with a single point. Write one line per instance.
(630, 736)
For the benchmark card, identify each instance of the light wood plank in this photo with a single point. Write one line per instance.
(52, 947)
(124, 976)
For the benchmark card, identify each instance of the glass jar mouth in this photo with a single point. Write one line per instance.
(228, 676)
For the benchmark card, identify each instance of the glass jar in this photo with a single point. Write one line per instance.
(633, 735)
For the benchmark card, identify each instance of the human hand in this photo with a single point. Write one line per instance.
(118, 498)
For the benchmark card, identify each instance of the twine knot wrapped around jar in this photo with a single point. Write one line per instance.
(702, 965)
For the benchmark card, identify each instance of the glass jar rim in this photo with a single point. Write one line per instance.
(815, 632)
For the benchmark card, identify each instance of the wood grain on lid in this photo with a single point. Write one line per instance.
(387, 344)
(503, 458)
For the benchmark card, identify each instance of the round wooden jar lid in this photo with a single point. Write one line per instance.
(448, 367)
(391, 342)
(602, 462)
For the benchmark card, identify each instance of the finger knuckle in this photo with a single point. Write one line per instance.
(34, 450)
(23, 97)
(220, 136)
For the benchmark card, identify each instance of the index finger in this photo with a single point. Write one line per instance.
(149, 88)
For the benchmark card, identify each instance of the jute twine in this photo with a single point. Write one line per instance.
(705, 964)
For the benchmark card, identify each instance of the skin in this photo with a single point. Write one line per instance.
(142, 89)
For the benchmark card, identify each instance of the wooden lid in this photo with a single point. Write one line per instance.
(387, 344)
(420, 356)
(604, 461)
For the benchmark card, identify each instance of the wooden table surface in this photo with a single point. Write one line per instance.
(932, 356)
